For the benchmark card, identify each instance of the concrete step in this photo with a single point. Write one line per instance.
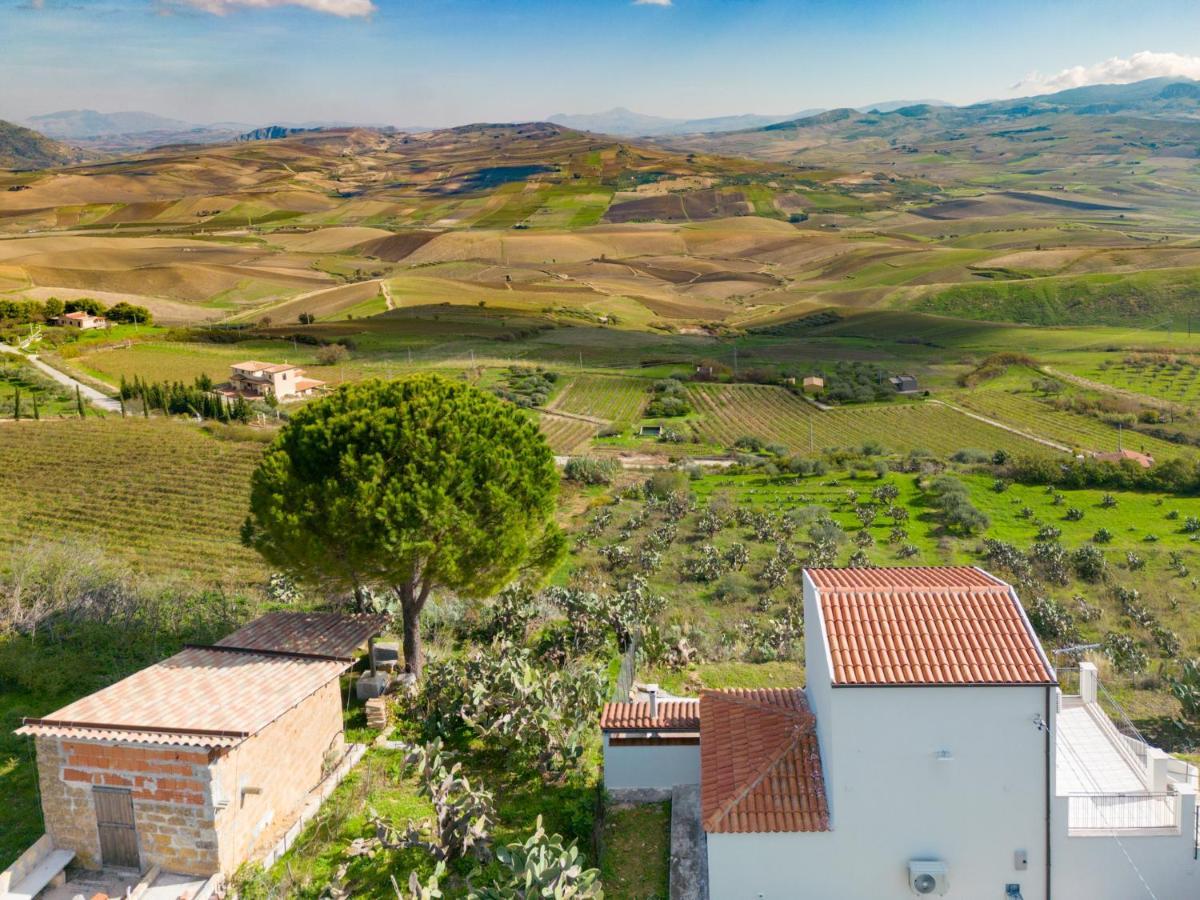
(41, 875)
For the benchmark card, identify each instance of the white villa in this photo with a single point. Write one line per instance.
(260, 379)
(932, 753)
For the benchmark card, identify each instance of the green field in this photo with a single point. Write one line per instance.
(166, 497)
(772, 414)
(607, 397)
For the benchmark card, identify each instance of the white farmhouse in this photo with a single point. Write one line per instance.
(932, 753)
(260, 379)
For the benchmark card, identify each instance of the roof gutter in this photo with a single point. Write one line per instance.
(148, 729)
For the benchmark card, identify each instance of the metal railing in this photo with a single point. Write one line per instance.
(1122, 812)
(1131, 739)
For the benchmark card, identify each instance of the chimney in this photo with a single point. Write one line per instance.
(652, 695)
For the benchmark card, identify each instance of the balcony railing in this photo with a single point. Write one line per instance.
(1122, 812)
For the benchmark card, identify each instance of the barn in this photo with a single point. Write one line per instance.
(204, 760)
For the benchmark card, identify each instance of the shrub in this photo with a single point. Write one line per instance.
(1089, 563)
(1074, 514)
(1127, 657)
(332, 354)
(1103, 536)
(971, 455)
(591, 470)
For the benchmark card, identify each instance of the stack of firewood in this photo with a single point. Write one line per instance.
(377, 713)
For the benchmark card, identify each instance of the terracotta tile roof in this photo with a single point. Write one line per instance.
(320, 633)
(253, 365)
(205, 697)
(926, 626)
(760, 765)
(673, 715)
(1142, 459)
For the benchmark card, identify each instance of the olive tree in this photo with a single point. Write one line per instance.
(405, 486)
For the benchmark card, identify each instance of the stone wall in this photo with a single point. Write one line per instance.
(263, 782)
(172, 801)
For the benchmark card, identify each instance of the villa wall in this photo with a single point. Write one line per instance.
(650, 767)
(1122, 866)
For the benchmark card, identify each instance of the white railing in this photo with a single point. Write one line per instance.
(1122, 812)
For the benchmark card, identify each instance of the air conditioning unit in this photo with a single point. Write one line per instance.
(928, 878)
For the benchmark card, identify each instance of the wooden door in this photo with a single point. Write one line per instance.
(118, 834)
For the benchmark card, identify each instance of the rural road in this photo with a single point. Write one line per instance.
(93, 396)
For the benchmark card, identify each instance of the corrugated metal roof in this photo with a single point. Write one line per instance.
(205, 697)
(760, 764)
(926, 626)
(673, 715)
(321, 633)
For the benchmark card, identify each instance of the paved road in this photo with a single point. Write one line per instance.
(93, 396)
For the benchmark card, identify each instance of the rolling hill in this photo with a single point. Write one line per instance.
(22, 148)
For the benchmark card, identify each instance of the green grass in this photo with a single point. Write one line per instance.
(635, 861)
(1108, 298)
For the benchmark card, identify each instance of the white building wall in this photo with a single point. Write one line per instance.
(642, 767)
(892, 800)
(1126, 866)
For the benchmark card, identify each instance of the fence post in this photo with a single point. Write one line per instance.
(1089, 679)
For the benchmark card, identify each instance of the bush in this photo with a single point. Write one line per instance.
(1103, 536)
(332, 354)
(972, 456)
(590, 470)
(1089, 563)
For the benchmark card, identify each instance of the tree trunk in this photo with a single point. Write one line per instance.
(412, 640)
(412, 600)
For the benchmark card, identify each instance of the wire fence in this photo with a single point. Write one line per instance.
(627, 673)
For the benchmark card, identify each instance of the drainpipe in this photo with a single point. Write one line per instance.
(1049, 761)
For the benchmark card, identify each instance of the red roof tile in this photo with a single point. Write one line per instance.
(320, 633)
(926, 626)
(205, 697)
(673, 715)
(760, 765)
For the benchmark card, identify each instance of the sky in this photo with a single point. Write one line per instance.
(446, 62)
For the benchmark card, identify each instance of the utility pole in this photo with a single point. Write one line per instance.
(1119, 433)
(735, 371)
(580, 360)
(811, 447)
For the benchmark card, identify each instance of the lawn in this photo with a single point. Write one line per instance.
(635, 861)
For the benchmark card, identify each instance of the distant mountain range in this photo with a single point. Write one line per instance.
(627, 123)
(87, 123)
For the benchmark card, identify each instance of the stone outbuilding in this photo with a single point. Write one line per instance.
(202, 761)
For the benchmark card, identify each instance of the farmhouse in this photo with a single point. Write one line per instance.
(1142, 459)
(905, 384)
(260, 379)
(932, 753)
(81, 320)
(204, 760)
(813, 384)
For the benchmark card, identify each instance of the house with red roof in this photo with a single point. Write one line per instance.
(931, 752)
(255, 379)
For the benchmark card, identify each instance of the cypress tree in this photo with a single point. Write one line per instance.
(37, 413)
(17, 404)
(122, 401)
(79, 403)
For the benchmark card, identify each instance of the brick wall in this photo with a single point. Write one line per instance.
(172, 803)
(282, 763)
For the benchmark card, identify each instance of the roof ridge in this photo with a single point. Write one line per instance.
(750, 701)
(786, 746)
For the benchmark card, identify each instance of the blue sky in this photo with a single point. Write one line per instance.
(438, 62)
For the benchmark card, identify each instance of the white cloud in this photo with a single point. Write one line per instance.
(1117, 70)
(344, 8)
(651, 2)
